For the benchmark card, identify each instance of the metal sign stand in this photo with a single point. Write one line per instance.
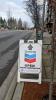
(30, 56)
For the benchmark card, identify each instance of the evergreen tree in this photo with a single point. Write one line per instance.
(12, 23)
(19, 23)
(2, 22)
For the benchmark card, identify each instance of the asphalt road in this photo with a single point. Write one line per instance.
(9, 47)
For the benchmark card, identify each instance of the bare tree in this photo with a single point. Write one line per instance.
(25, 25)
(33, 10)
(9, 13)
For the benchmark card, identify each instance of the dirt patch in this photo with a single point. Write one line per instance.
(34, 91)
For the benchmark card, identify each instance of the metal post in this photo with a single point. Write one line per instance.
(36, 19)
(35, 15)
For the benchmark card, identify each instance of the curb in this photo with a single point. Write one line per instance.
(8, 85)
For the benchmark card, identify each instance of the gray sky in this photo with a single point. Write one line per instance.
(16, 8)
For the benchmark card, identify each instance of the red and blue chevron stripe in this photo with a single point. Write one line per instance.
(30, 58)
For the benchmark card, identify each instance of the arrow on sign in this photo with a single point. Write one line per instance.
(30, 47)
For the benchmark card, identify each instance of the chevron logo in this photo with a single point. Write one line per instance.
(30, 57)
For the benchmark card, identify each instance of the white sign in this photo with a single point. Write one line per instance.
(30, 61)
